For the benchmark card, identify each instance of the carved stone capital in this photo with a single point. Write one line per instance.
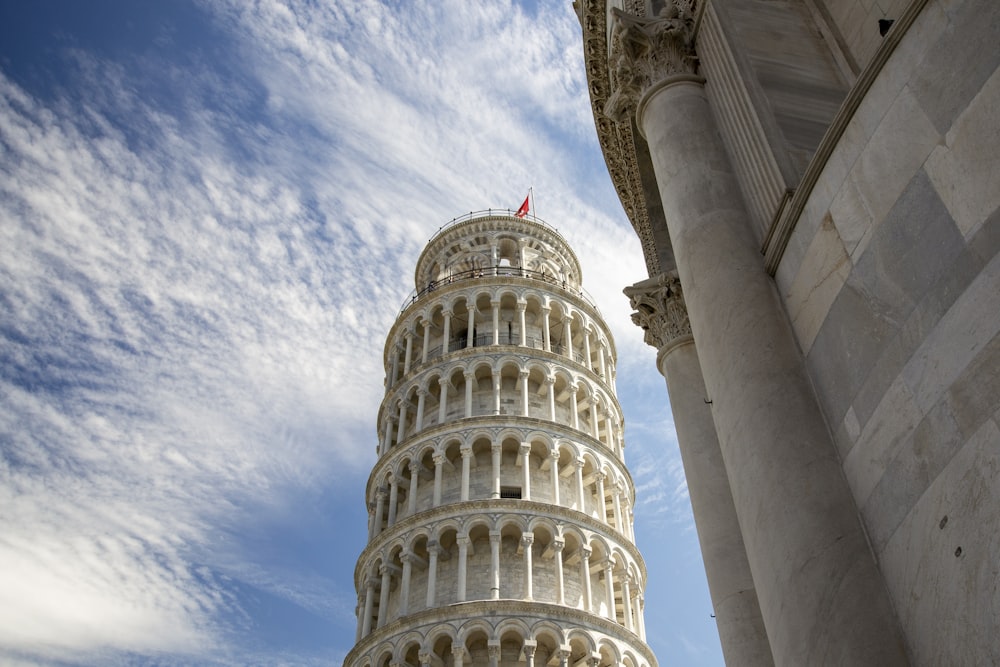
(647, 50)
(659, 308)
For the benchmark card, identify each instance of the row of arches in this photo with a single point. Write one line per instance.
(506, 385)
(524, 642)
(499, 316)
(482, 247)
(500, 463)
(513, 557)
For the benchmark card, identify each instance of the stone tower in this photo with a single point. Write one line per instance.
(500, 508)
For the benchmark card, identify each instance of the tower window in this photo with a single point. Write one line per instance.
(510, 492)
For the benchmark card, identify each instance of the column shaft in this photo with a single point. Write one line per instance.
(821, 596)
(432, 568)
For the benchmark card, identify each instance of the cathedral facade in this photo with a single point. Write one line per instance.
(814, 184)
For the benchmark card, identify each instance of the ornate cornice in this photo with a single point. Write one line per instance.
(617, 140)
(659, 308)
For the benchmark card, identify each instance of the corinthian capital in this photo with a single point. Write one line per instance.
(659, 308)
(645, 51)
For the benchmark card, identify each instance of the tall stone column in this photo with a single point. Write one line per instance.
(821, 596)
(557, 547)
(495, 564)
(554, 474)
(432, 560)
(526, 541)
(463, 562)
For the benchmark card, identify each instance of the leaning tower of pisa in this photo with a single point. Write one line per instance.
(500, 509)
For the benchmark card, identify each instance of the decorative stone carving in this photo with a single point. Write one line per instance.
(617, 139)
(659, 309)
(645, 51)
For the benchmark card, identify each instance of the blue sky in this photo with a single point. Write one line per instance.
(209, 217)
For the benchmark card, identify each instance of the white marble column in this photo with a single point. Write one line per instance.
(554, 474)
(470, 380)
(580, 504)
(496, 451)
(661, 313)
(426, 325)
(394, 375)
(414, 483)
(444, 384)
(407, 558)
(408, 335)
(521, 307)
(393, 499)
(421, 400)
(602, 508)
(523, 377)
(524, 451)
(586, 349)
(383, 603)
(557, 546)
(546, 337)
(463, 564)
(575, 413)
(526, 541)
(446, 335)
(432, 566)
(627, 601)
(458, 653)
(496, 322)
(550, 384)
(401, 429)
(496, 392)
(471, 333)
(619, 489)
(386, 437)
(609, 589)
(466, 451)
(529, 652)
(567, 337)
(821, 595)
(366, 623)
(438, 466)
(379, 511)
(494, 564)
(585, 578)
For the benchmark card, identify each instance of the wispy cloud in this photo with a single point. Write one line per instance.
(199, 260)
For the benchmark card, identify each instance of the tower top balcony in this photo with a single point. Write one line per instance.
(492, 239)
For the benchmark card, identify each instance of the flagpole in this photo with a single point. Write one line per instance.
(531, 195)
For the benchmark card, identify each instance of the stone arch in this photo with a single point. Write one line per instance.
(581, 645)
(610, 655)
(382, 655)
(408, 648)
(549, 639)
(475, 637)
(439, 641)
(510, 634)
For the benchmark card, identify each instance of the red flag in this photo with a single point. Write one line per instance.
(523, 211)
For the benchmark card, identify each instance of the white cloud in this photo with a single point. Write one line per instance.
(199, 266)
